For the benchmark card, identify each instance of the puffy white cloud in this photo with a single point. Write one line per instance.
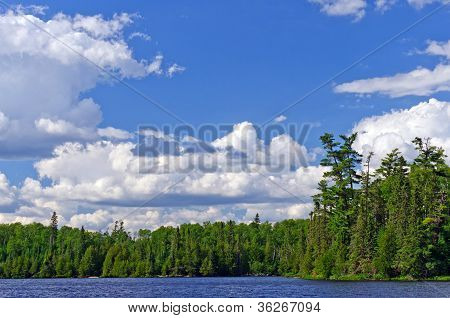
(62, 127)
(242, 138)
(355, 8)
(420, 82)
(41, 80)
(114, 133)
(99, 27)
(97, 39)
(439, 48)
(7, 193)
(109, 173)
(285, 151)
(398, 128)
(99, 219)
(13, 218)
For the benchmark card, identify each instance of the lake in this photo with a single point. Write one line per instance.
(216, 287)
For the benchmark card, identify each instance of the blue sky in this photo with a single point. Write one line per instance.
(247, 60)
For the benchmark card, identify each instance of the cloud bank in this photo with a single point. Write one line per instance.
(94, 183)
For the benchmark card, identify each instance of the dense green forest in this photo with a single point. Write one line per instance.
(366, 224)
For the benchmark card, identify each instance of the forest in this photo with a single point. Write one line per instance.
(391, 222)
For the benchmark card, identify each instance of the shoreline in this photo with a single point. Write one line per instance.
(444, 279)
(394, 279)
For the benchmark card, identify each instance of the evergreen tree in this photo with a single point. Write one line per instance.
(88, 264)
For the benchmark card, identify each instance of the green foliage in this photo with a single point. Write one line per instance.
(395, 222)
(88, 266)
(386, 251)
(225, 249)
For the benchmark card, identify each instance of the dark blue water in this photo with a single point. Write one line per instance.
(216, 287)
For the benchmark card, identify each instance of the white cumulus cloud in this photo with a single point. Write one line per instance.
(439, 48)
(398, 128)
(106, 176)
(41, 80)
(114, 133)
(99, 219)
(7, 193)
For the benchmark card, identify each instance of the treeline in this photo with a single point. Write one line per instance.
(383, 223)
(211, 249)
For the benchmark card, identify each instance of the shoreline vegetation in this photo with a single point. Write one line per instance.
(350, 278)
(390, 223)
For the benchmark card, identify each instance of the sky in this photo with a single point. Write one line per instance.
(79, 81)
